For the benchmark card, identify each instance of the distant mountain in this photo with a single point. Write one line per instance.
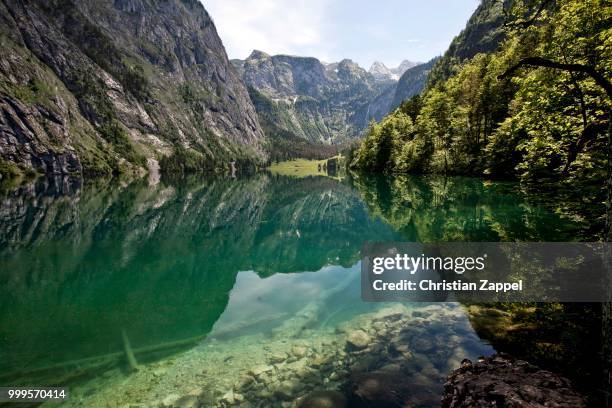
(412, 82)
(99, 87)
(302, 97)
(381, 72)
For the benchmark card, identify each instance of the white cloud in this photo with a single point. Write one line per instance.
(273, 26)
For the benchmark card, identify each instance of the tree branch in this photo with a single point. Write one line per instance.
(543, 62)
(530, 21)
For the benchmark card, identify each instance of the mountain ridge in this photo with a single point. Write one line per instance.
(327, 103)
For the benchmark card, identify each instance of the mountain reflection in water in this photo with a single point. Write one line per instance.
(168, 263)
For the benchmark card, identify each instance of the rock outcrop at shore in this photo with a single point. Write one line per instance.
(501, 381)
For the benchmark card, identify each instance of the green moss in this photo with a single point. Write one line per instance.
(39, 89)
(34, 92)
(194, 97)
(551, 335)
(153, 52)
(9, 170)
(94, 164)
(12, 175)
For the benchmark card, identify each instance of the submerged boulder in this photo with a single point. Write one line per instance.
(500, 380)
(323, 399)
(358, 340)
(379, 389)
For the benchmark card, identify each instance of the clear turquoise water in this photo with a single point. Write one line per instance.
(208, 278)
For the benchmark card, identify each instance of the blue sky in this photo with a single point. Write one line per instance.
(362, 30)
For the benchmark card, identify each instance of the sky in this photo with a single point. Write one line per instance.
(331, 30)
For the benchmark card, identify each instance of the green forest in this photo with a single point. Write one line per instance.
(533, 103)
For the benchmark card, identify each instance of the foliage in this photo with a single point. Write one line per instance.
(184, 161)
(540, 124)
(34, 92)
(283, 141)
(114, 133)
(284, 145)
(8, 170)
(386, 142)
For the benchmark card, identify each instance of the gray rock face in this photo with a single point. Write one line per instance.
(328, 103)
(100, 86)
(502, 381)
(412, 82)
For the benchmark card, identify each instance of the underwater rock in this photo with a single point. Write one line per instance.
(338, 375)
(504, 381)
(422, 344)
(159, 372)
(288, 389)
(379, 389)
(277, 357)
(366, 362)
(228, 397)
(299, 351)
(323, 399)
(188, 401)
(321, 360)
(259, 370)
(170, 401)
(358, 339)
(398, 347)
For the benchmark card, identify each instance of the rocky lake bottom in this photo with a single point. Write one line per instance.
(414, 346)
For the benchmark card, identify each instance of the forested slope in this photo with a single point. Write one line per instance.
(533, 103)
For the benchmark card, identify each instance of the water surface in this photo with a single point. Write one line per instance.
(210, 281)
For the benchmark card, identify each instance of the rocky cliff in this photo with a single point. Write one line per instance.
(114, 86)
(412, 82)
(323, 103)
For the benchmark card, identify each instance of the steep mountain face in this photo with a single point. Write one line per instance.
(412, 82)
(320, 103)
(113, 86)
(483, 33)
(380, 72)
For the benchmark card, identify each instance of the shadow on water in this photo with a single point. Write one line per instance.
(92, 273)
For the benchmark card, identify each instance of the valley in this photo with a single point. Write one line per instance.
(132, 98)
(182, 229)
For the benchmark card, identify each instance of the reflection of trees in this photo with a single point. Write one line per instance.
(562, 337)
(437, 208)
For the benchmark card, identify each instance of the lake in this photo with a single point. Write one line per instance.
(227, 290)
